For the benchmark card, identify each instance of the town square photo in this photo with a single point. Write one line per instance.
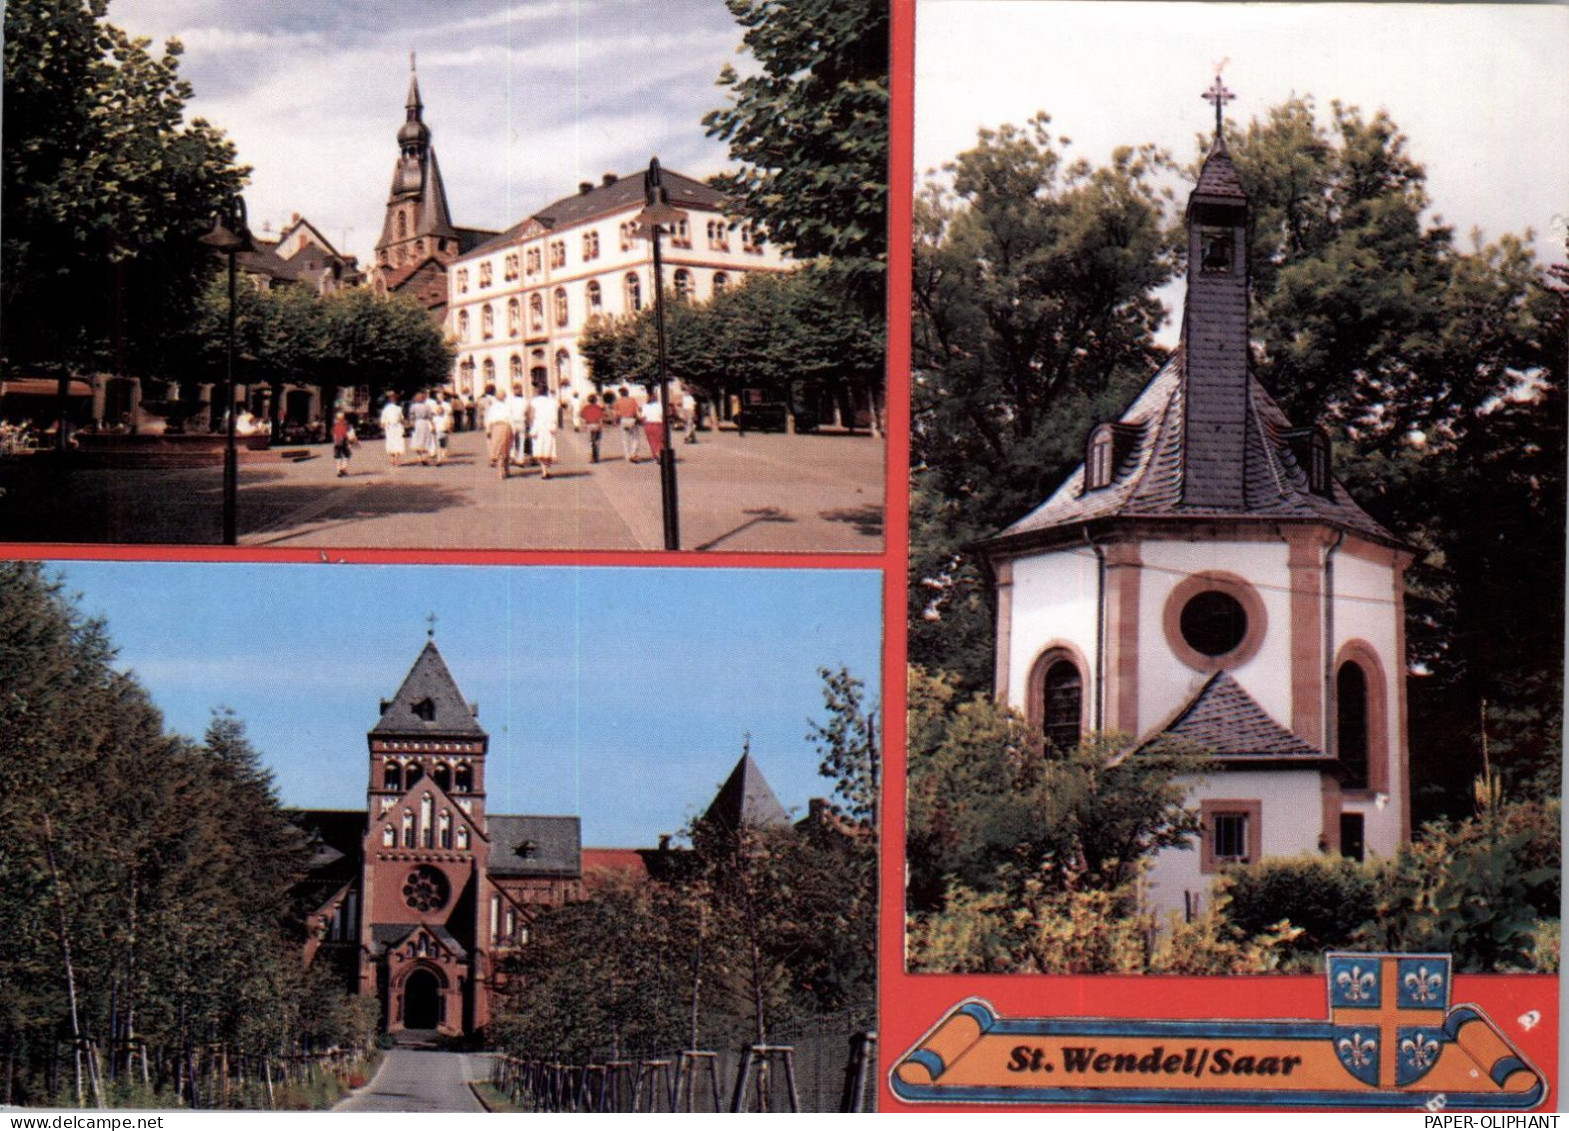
(637, 304)
(1235, 592)
(455, 837)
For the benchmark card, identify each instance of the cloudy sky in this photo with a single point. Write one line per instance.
(524, 98)
(1482, 91)
(621, 695)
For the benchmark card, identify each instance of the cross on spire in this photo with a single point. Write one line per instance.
(430, 631)
(1219, 95)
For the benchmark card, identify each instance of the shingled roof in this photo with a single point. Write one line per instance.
(1149, 479)
(1203, 440)
(746, 798)
(535, 846)
(428, 704)
(1228, 723)
(612, 195)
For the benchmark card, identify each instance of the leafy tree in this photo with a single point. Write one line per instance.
(1421, 357)
(105, 190)
(810, 129)
(1034, 315)
(991, 808)
(852, 758)
(785, 334)
(143, 877)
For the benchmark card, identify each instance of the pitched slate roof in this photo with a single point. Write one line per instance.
(746, 799)
(535, 846)
(617, 196)
(1228, 723)
(1150, 479)
(428, 704)
(1218, 178)
(388, 936)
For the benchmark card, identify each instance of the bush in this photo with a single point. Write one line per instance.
(1476, 889)
(1212, 944)
(1325, 898)
(1047, 932)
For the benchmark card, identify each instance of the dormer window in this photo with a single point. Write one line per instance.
(1100, 461)
(1318, 464)
(1310, 448)
(425, 709)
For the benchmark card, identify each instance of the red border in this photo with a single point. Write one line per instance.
(910, 1004)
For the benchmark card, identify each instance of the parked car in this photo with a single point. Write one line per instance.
(773, 418)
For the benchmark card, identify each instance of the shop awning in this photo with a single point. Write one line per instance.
(42, 387)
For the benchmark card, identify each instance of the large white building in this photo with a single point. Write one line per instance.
(1203, 575)
(518, 303)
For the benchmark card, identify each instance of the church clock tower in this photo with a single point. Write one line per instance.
(426, 854)
(418, 225)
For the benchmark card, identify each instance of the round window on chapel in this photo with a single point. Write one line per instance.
(1214, 623)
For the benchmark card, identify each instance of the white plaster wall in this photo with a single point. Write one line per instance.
(1364, 610)
(1166, 684)
(1291, 817)
(1054, 599)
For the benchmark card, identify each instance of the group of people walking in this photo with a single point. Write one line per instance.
(520, 429)
(430, 417)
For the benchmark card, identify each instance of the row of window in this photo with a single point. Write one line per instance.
(536, 374)
(458, 778)
(427, 830)
(752, 242)
(593, 294)
(508, 928)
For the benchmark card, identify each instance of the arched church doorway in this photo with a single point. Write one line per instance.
(421, 1001)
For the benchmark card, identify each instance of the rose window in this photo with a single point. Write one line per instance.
(425, 889)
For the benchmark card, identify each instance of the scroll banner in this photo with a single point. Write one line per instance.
(1392, 1042)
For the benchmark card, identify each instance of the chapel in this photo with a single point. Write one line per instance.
(1203, 575)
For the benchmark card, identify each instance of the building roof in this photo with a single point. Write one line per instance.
(613, 194)
(746, 799)
(1149, 479)
(1218, 179)
(1227, 722)
(428, 704)
(1203, 440)
(535, 846)
(389, 936)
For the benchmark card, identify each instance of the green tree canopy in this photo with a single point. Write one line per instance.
(810, 130)
(104, 189)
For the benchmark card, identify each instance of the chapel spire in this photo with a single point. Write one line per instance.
(1215, 328)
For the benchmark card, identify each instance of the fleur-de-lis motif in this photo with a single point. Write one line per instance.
(1423, 1051)
(1424, 984)
(1355, 983)
(1357, 1050)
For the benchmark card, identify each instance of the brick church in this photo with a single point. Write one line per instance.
(421, 897)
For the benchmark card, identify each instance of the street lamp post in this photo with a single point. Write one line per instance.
(231, 236)
(657, 214)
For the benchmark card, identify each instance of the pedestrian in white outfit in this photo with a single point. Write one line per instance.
(392, 429)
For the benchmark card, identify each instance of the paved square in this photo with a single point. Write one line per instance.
(753, 492)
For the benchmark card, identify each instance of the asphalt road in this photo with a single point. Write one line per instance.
(420, 1080)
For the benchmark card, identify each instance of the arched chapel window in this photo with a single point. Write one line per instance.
(1064, 703)
(1351, 724)
(392, 776)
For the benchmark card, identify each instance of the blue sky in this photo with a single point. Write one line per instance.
(525, 98)
(622, 695)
